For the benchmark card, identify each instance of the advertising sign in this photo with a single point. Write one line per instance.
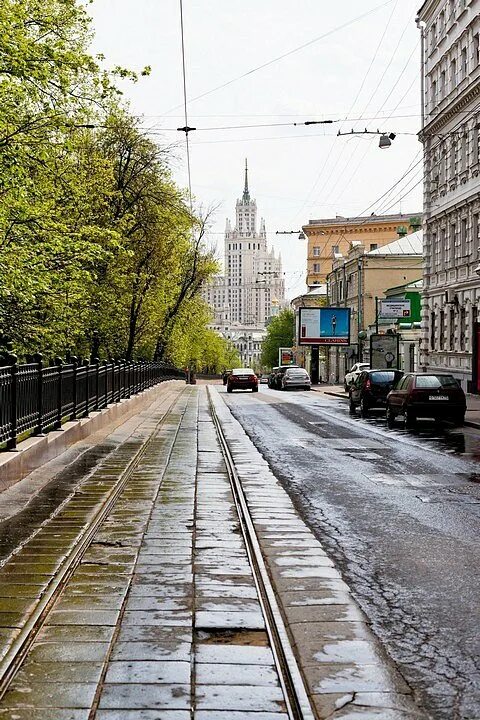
(394, 309)
(324, 326)
(286, 356)
(384, 351)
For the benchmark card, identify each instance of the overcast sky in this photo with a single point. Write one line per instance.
(366, 74)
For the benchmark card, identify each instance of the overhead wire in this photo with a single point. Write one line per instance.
(284, 55)
(184, 76)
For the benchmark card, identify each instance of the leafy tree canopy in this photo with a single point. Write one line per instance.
(280, 333)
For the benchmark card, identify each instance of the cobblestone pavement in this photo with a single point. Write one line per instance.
(161, 619)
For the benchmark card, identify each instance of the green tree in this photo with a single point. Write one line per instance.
(280, 332)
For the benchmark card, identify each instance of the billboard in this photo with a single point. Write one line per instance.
(286, 356)
(324, 326)
(384, 351)
(394, 309)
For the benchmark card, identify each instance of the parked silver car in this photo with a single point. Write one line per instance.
(296, 377)
(353, 374)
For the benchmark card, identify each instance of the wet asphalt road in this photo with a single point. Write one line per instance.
(399, 513)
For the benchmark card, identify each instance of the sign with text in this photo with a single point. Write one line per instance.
(384, 351)
(394, 309)
(286, 356)
(324, 326)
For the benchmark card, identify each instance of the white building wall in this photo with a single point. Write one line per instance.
(451, 140)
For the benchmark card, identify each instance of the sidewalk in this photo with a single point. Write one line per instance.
(162, 618)
(472, 416)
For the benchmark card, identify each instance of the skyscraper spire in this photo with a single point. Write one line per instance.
(246, 194)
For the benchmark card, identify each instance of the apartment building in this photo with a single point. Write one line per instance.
(450, 32)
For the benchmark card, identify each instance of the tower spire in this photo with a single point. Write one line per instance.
(246, 194)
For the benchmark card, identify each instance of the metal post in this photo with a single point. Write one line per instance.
(86, 364)
(376, 315)
(74, 361)
(96, 363)
(58, 421)
(12, 442)
(38, 359)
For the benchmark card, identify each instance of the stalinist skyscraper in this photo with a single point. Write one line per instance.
(252, 287)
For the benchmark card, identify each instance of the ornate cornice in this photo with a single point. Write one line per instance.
(471, 93)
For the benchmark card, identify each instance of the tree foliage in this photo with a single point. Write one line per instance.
(280, 333)
(95, 237)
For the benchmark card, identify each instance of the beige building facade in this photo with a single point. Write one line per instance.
(354, 282)
(334, 236)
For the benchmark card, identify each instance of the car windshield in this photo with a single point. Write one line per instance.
(243, 371)
(382, 377)
(436, 381)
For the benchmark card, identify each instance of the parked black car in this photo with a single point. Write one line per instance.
(430, 395)
(371, 388)
(276, 376)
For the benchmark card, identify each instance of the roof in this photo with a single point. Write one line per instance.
(407, 245)
(365, 219)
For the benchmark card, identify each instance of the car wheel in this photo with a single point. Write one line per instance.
(229, 389)
(390, 417)
(345, 387)
(351, 406)
(307, 387)
(255, 389)
(409, 418)
(459, 419)
(363, 408)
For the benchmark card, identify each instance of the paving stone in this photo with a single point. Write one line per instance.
(157, 672)
(233, 654)
(58, 672)
(151, 617)
(337, 678)
(159, 603)
(179, 652)
(51, 695)
(324, 613)
(141, 715)
(130, 697)
(76, 633)
(15, 713)
(251, 620)
(237, 674)
(69, 651)
(239, 698)
(85, 617)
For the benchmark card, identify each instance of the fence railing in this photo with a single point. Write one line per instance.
(35, 398)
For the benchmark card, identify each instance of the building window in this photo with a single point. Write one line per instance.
(476, 50)
(432, 330)
(451, 330)
(475, 239)
(464, 67)
(433, 36)
(463, 238)
(316, 251)
(316, 267)
(451, 244)
(433, 93)
(441, 248)
(453, 74)
(463, 327)
(442, 330)
(335, 249)
(373, 246)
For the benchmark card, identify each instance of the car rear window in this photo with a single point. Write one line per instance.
(243, 371)
(382, 378)
(436, 381)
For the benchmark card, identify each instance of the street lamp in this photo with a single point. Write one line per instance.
(385, 138)
(300, 233)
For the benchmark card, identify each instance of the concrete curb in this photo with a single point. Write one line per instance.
(38, 450)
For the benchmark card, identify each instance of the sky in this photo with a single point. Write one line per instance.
(357, 63)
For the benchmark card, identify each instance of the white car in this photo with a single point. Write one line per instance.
(295, 377)
(351, 376)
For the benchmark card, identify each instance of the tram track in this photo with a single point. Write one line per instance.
(297, 702)
(16, 654)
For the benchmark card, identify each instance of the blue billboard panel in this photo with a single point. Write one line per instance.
(324, 326)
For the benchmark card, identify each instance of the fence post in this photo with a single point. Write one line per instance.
(112, 399)
(74, 360)
(86, 364)
(12, 442)
(128, 379)
(96, 363)
(37, 358)
(58, 422)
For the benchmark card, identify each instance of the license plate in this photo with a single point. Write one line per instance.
(438, 397)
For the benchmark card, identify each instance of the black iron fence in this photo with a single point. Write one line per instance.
(35, 398)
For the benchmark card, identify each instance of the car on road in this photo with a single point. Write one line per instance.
(242, 379)
(296, 377)
(427, 395)
(275, 379)
(225, 375)
(263, 379)
(352, 375)
(371, 388)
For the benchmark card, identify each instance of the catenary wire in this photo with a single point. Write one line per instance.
(284, 55)
(184, 77)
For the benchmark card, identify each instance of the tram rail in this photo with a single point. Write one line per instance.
(296, 698)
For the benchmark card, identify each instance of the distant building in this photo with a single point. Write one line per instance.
(333, 236)
(252, 288)
(451, 141)
(356, 280)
